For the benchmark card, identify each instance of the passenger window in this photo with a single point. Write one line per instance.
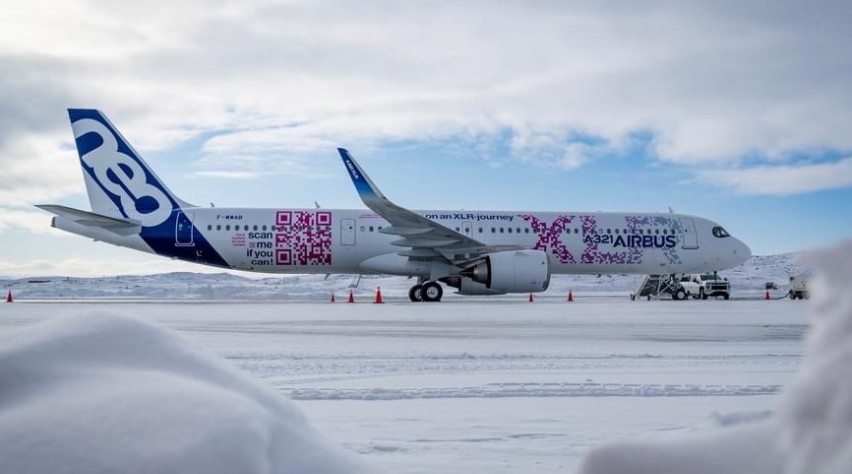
(510, 230)
(371, 228)
(493, 230)
(527, 230)
(228, 227)
(480, 230)
(255, 228)
(218, 227)
(209, 227)
(363, 228)
(264, 228)
(501, 230)
(616, 231)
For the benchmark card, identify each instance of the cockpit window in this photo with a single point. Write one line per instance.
(720, 232)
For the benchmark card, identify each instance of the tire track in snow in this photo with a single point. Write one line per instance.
(508, 390)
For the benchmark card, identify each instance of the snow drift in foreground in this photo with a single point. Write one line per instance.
(811, 431)
(117, 394)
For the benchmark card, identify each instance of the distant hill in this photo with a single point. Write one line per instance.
(748, 278)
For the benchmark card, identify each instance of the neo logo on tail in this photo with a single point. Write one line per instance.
(107, 159)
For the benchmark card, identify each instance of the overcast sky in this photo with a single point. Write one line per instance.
(738, 111)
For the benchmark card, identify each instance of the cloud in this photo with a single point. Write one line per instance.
(714, 83)
(218, 174)
(783, 180)
(36, 222)
(36, 170)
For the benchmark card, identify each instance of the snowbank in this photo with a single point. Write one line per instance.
(117, 394)
(811, 431)
(816, 412)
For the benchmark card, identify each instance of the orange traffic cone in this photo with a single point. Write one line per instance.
(351, 297)
(531, 298)
(379, 299)
(332, 297)
(9, 297)
(767, 295)
(570, 296)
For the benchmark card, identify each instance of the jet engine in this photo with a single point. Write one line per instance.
(514, 271)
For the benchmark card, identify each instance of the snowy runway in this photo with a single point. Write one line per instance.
(496, 385)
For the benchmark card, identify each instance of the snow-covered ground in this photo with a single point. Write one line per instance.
(496, 385)
(747, 281)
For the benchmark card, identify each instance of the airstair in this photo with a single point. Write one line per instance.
(654, 286)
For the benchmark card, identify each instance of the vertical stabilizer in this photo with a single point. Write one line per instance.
(118, 181)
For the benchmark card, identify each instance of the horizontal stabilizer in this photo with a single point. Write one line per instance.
(90, 219)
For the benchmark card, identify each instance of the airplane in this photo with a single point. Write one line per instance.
(475, 252)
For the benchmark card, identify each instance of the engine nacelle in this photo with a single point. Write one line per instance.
(514, 271)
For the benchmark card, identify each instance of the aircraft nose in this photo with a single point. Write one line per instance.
(741, 252)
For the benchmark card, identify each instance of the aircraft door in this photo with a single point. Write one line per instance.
(467, 228)
(184, 230)
(690, 236)
(347, 231)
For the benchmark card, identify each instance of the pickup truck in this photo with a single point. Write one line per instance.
(799, 288)
(702, 286)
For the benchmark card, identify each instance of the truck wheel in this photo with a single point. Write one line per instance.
(727, 296)
(679, 294)
(702, 294)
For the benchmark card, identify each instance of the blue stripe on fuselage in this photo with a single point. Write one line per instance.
(163, 240)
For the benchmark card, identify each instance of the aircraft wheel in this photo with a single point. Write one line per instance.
(415, 294)
(432, 291)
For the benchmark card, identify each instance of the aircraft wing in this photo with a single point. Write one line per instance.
(90, 219)
(425, 238)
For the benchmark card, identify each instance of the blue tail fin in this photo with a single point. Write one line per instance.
(119, 182)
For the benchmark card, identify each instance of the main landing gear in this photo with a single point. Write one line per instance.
(430, 291)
